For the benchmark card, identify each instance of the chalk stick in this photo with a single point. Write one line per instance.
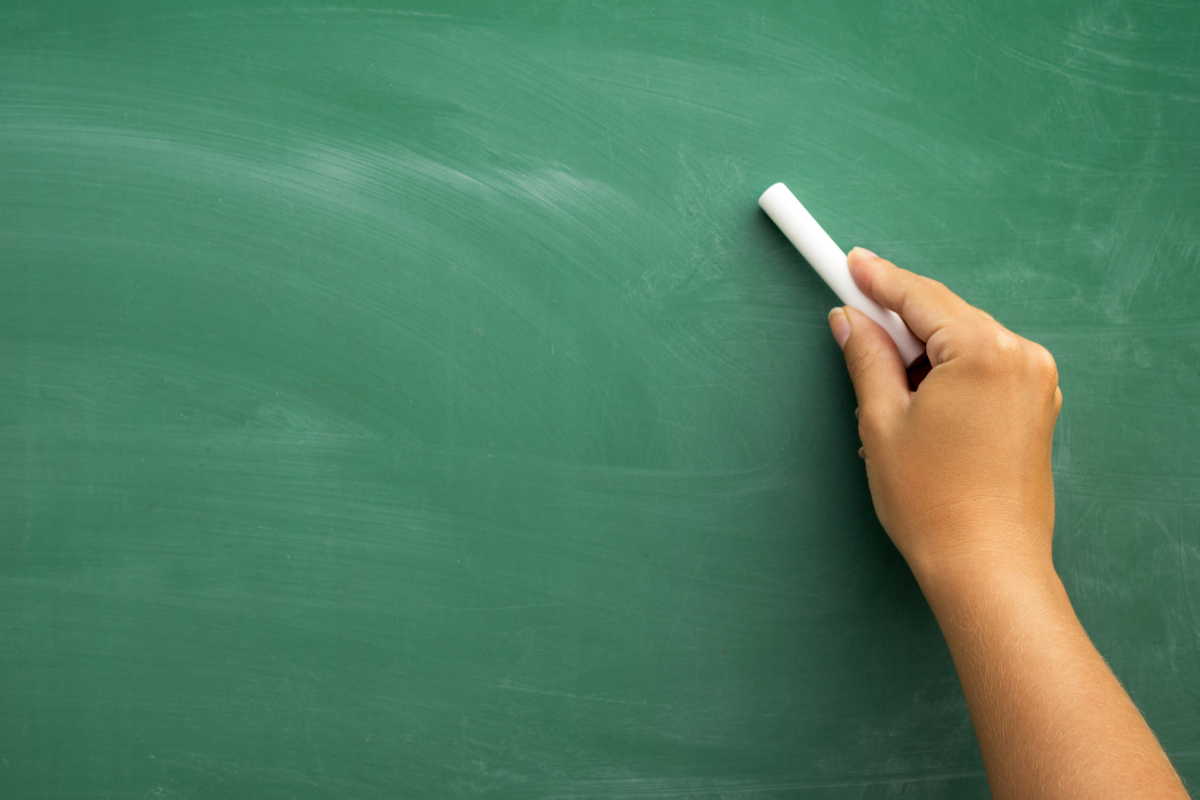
(830, 263)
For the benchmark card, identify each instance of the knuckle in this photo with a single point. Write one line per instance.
(943, 293)
(1005, 343)
(1042, 364)
(999, 351)
(871, 424)
(940, 345)
(922, 286)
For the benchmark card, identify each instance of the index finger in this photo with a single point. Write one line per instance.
(925, 305)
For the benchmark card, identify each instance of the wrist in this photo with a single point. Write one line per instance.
(952, 580)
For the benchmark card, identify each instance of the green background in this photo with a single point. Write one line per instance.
(411, 401)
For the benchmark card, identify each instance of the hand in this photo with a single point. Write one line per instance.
(959, 470)
(960, 474)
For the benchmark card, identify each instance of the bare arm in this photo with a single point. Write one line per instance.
(960, 476)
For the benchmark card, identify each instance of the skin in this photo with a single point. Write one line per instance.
(960, 476)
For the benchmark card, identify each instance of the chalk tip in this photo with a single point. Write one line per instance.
(775, 188)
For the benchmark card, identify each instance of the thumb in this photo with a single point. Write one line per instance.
(876, 369)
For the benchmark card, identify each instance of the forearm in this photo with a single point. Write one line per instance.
(1052, 720)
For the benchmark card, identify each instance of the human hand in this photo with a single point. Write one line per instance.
(959, 470)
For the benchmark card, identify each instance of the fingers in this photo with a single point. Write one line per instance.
(875, 366)
(925, 305)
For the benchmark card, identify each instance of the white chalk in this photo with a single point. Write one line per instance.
(830, 263)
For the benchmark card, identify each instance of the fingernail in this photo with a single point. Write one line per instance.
(866, 251)
(839, 323)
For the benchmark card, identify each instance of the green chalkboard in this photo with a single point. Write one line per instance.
(411, 400)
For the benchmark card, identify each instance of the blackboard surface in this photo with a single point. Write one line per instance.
(411, 401)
